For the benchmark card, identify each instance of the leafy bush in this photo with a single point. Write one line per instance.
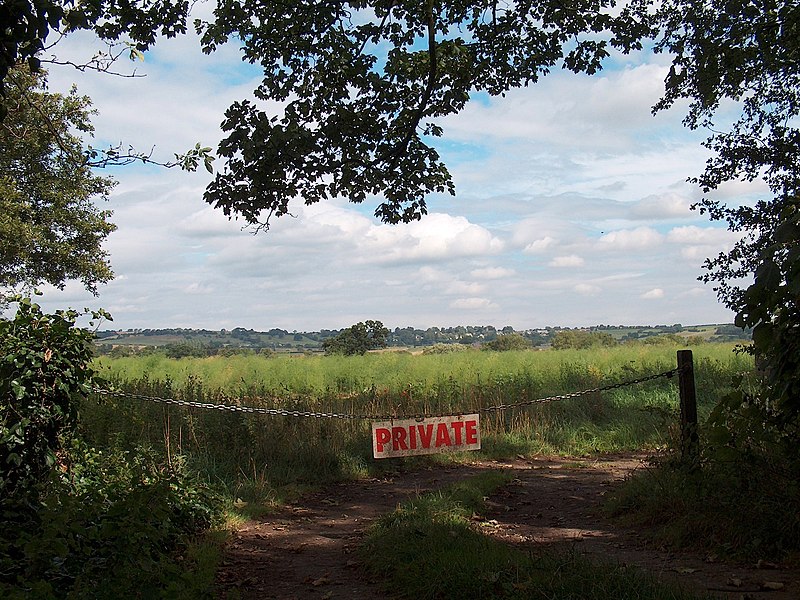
(78, 523)
(45, 366)
(109, 527)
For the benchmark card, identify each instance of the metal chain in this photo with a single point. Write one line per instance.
(604, 388)
(365, 417)
(233, 407)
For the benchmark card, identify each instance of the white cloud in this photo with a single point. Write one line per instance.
(197, 288)
(585, 289)
(492, 273)
(568, 110)
(663, 206)
(473, 304)
(570, 173)
(567, 261)
(698, 243)
(539, 245)
(654, 294)
(631, 239)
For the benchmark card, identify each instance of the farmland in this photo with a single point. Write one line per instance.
(256, 456)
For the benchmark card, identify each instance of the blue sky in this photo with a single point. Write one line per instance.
(572, 209)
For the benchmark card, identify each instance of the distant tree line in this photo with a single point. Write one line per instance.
(370, 335)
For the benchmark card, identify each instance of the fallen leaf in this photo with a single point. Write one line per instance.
(324, 580)
(735, 582)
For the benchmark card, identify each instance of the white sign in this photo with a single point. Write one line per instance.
(407, 437)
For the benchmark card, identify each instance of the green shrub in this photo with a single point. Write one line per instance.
(45, 366)
(110, 527)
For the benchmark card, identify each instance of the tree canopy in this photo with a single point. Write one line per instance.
(747, 54)
(506, 342)
(579, 338)
(51, 230)
(357, 339)
(27, 25)
(362, 84)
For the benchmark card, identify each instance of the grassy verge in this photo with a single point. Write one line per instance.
(748, 509)
(429, 549)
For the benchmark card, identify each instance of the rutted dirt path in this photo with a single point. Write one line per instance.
(306, 550)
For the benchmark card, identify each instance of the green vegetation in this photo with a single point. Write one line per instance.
(579, 339)
(703, 509)
(430, 547)
(158, 475)
(203, 342)
(45, 365)
(77, 521)
(51, 230)
(357, 339)
(247, 454)
(504, 343)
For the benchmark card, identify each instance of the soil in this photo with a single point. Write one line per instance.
(307, 550)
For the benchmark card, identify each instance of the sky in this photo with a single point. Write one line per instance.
(571, 209)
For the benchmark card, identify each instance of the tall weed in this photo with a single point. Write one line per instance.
(254, 456)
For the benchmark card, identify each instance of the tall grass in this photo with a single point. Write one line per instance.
(254, 455)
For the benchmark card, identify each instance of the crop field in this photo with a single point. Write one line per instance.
(255, 455)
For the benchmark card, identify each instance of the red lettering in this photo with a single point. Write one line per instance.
(382, 436)
(425, 434)
(471, 432)
(442, 437)
(399, 438)
(412, 437)
(457, 427)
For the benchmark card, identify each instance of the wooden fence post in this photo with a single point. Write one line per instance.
(690, 443)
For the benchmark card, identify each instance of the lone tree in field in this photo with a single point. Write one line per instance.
(506, 342)
(357, 339)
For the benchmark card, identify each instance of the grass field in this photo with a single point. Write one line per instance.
(255, 456)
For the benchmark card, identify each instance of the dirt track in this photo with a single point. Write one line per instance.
(305, 551)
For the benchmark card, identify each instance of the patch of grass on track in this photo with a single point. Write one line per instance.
(428, 548)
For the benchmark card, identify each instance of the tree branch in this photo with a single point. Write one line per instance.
(394, 154)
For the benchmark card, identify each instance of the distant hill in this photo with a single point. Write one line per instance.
(185, 342)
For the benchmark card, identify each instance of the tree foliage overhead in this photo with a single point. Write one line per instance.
(363, 83)
(51, 230)
(27, 26)
(747, 54)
